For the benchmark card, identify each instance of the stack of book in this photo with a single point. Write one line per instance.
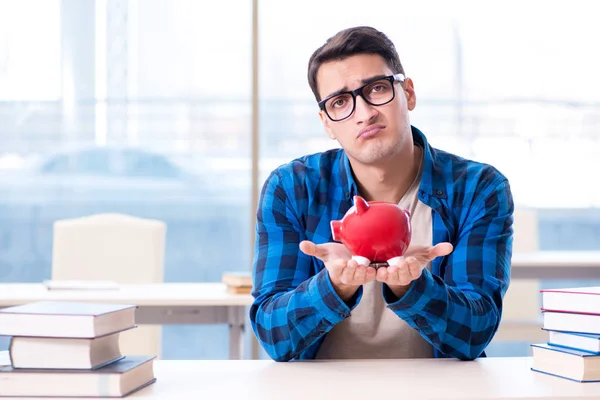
(70, 349)
(572, 318)
(238, 282)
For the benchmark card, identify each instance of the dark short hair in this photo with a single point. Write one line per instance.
(351, 41)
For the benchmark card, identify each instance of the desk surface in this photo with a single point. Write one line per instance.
(215, 294)
(557, 259)
(163, 294)
(491, 378)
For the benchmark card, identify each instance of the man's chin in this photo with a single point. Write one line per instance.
(373, 157)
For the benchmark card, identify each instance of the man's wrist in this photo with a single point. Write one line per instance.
(398, 291)
(346, 292)
(416, 296)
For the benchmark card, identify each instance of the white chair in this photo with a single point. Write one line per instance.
(526, 232)
(114, 247)
(522, 298)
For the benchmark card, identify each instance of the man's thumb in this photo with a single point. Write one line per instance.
(311, 249)
(442, 249)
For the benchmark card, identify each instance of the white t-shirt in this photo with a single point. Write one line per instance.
(373, 330)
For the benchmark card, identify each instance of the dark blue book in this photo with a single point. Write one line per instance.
(562, 362)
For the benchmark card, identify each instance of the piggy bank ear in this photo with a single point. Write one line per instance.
(361, 205)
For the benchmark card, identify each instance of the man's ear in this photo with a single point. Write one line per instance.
(326, 124)
(409, 91)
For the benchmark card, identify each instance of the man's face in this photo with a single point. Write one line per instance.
(371, 134)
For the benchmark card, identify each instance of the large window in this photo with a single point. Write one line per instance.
(130, 107)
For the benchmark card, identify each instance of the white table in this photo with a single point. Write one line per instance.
(556, 265)
(164, 303)
(448, 379)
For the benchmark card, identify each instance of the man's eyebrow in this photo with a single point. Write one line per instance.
(365, 81)
(372, 79)
(340, 91)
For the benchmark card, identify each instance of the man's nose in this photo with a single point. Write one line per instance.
(363, 111)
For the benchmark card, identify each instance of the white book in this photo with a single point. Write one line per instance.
(577, 341)
(80, 285)
(574, 300)
(66, 319)
(571, 322)
(64, 353)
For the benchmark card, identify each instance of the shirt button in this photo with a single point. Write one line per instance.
(439, 192)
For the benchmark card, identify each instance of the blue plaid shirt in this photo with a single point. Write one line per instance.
(456, 306)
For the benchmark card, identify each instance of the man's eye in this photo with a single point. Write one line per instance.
(339, 102)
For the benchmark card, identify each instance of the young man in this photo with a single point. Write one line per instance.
(312, 300)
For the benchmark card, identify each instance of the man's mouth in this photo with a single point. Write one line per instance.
(370, 131)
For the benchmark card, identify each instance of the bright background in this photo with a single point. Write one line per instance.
(145, 108)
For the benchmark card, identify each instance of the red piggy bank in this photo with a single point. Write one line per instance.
(374, 232)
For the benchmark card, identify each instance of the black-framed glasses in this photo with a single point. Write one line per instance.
(378, 92)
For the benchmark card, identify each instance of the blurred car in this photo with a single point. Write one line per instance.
(113, 175)
(205, 212)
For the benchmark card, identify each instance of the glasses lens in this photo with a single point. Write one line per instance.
(379, 92)
(339, 107)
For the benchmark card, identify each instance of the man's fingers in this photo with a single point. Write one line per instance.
(360, 274)
(392, 273)
(371, 273)
(349, 272)
(347, 275)
(311, 249)
(382, 274)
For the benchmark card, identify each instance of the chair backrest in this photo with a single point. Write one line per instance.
(521, 305)
(117, 247)
(526, 231)
(114, 247)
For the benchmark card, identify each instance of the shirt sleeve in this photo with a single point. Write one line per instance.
(459, 313)
(295, 304)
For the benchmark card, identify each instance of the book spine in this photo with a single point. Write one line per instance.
(574, 348)
(10, 350)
